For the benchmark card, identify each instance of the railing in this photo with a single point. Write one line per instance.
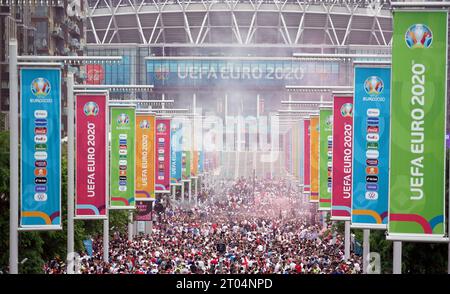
(360, 3)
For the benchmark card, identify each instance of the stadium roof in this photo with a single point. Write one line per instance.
(253, 23)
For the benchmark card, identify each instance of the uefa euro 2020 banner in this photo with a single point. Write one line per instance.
(145, 157)
(201, 156)
(301, 152)
(91, 156)
(40, 164)
(162, 156)
(341, 193)
(306, 162)
(325, 147)
(122, 164)
(371, 116)
(314, 152)
(185, 165)
(418, 125)
(175, 151)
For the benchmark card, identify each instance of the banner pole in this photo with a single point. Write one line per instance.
(174, 188)
(70, 175)
(130, 226)
(13, 159)
(366, 249)
(397, 262)
(106, 239)
(347, 240)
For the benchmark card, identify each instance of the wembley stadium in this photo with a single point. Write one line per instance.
(169, 43)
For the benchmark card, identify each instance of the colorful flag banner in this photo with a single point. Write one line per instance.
(371, 116)
(122, 164)
(145, 157)
(301, 152)
(341, 199)
(307, 157)
(175, 151)
(314, 153)
(201, 158)
(325, 158)
(186, 154)
(185, 165)
(91, 156)
(162, 155)
(40, 146)
(418, 125)
(194, 165)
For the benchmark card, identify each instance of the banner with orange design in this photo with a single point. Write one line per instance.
(314, 153)
(145, 157)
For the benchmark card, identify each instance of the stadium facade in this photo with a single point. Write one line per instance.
(240, 50)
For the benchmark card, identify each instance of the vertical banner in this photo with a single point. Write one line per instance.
(162, 155)
(418, 125)
(145, 157)
(185, 165)
(91, 156)
(122, 164)
(314, 154)
(194, 165)
(186, 154)
(201, 155)
(175, 151)
(301, 152)
(306, 162)
(40, 142)
(143, 210)
(341, 199)
(325, 162)
(371, 116)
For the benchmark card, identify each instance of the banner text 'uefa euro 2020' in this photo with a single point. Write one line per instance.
(251, 72)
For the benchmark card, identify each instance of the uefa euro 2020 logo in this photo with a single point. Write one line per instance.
(123, 119)
(418, 36)
(144, 124)
(373, 85)
(90, 108)
(347, 110)
(40, 87)
(161, 128)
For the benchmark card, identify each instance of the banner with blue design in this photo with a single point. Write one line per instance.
(371, 146)
(40, 139)
(175, 151)
(200, 161)
(301, 151)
